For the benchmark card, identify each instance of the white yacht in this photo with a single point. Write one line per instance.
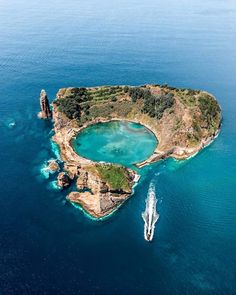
(150, 215)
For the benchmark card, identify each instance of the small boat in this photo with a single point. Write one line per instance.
(150, 215)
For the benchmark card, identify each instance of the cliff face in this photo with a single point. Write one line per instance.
(45, 112)
(96, 195)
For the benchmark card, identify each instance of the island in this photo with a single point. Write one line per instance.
(183, 120)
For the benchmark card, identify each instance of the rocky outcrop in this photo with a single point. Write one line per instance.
(53, 166)
(96, 195)
(63, 180)
(82, 181)
(45, 112)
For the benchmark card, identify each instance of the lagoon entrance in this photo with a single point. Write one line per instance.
(119, 142)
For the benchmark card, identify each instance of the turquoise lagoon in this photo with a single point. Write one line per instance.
(119, 142)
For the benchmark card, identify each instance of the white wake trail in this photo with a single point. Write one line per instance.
(150, 215)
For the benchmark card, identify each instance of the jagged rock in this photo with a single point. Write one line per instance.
(63, 180)
(53, 166)
(109, 201)
(45, 112)
(95, 195)
(82, 181)
(72, 169)
(104, 188)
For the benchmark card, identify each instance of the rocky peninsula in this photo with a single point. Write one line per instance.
(183, 120)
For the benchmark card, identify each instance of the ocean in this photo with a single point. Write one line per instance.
(47, 246)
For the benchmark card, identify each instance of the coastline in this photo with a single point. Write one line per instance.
(172, 143)
(178, 153)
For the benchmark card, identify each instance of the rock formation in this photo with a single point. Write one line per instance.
(96, 196)
(63, 180)
(82, 181)
(53, 166)
(45, 112)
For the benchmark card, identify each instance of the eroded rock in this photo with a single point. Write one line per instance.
(53, 166)
(98, 198)
(63, 180)
(45, 111)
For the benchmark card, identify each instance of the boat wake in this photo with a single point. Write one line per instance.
(150, 215)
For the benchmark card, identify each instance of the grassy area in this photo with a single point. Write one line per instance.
(116, 176)
(119, 108)
(105, 93)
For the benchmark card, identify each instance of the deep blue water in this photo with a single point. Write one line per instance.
(49, 247)
(125, 143)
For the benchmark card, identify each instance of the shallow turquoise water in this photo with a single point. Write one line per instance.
(116, 142)
(49, 247)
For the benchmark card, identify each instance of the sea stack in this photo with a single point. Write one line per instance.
(45, 112)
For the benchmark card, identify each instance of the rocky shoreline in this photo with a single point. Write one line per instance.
(175, 131)
(64, 140)
(94, 195)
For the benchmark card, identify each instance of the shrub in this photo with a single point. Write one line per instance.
(114, 98)
(155, 105)
(70, 105)
(126, 89)
(116, 176)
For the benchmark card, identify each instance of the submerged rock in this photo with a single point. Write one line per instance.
(63, 180)
(45, 112)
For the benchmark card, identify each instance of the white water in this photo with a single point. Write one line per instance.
(150, 215)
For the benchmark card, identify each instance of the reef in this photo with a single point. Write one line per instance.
(183, 121)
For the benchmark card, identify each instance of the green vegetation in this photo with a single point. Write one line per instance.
(105, 93)
(116, 176)
(70, 104)
(118, 108)
(154, 105)
(210, 110)
(76, 102)
(87, 104)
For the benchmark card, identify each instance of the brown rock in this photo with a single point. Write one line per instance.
(72, 169)
(103, 188)
(82, 181)
(45, 112)
(63, 180)
(53, 166)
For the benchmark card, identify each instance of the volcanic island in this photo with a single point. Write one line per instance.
(183, 120)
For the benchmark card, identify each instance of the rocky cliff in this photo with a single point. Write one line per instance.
(96, 195)
(45, 111)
